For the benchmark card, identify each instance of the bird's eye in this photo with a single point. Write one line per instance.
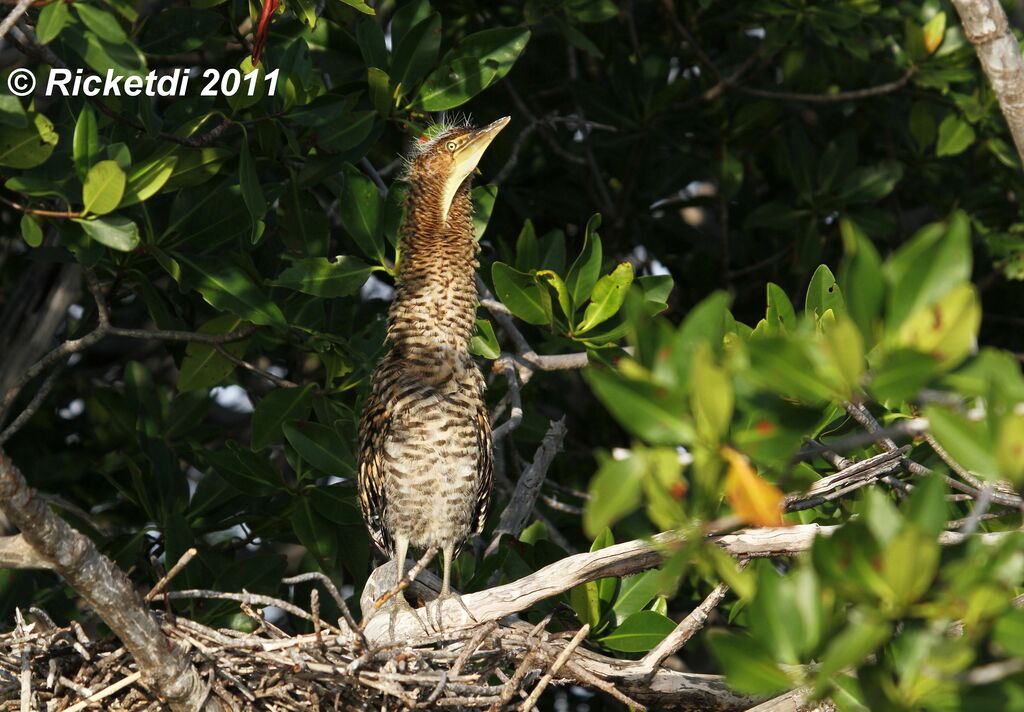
(451, 145)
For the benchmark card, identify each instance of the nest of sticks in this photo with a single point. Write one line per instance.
(493, 666)
(60, 669)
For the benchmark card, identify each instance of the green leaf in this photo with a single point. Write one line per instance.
(748, 666)
(252, 193)
(115, 231)
(635, 593)
(901, 375)
(322, 447)
(561, 293)
(380, 91)
(1009, 446)
(360, 5)
(712, 395)
(101, 22)
(12, 113)
(280, 406)
(372, 44)
(860, 277)
(641, 408)
(639, 633)
(30, 146)
(784, 366)
(360, 211)
(521, 294)
(315, 532)
(203, 366)
(947, 330)
(305, 10)
(30, 231)
(52, 19)
(823, 293)
(955, 136)
(909, 563)
(615, 491)
(861, 637)
(103, 189)
(246, 471)
(871, 183)
(146, 179)
(592, 599)
(477, 62)
(227, 287)
(179, 29)
(968, 442)
(194, 166)
(483, 203)
(844, 352)
(587, 268)
(1009, 632)
(933, 32)
(607, 297)
(85, 145)
(528, 250)
(416, 53)
(322, 278)
(345, 135)
(780, 314)
(935, 260)
(922, 124)
(704, 323)
(485, 341)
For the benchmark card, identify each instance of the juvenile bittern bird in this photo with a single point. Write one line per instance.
(425, 456)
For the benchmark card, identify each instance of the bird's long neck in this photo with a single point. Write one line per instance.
(432, 316)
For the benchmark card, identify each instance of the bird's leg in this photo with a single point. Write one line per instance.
(448, 552)
(398, 604)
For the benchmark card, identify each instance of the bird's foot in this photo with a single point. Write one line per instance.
(396, 606)
(438, 605)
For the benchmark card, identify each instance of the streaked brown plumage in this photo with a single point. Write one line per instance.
(425, 454)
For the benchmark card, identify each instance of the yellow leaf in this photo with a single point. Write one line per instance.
(754, 500)
(947, 329)
(933, 32)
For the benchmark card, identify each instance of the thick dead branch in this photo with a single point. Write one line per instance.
(618, 560)
(520, 507)
(16, 553)
(106, 589)
(986, 26)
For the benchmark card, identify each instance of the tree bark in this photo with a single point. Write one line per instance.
(986, 26)
(16, 553)
(107, 590)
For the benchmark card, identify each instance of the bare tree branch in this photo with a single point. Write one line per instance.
(520, 506)
(618, 560)
(106, 589)
(17, 553)
(986, 26)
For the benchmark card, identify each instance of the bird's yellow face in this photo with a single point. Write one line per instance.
(455, 155)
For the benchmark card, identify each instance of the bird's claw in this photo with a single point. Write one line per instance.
(438, 605)
(395, 607)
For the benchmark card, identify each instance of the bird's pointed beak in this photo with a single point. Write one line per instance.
(473, 150)
(468, 156)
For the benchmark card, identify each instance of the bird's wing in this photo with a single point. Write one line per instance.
(484, 467)
(374, 428)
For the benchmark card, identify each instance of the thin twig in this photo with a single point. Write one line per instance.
(13, 16)
(516, 416)
(262, 373)
(686, 629)
(335, 594)
(175, 570)
(581, 634)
